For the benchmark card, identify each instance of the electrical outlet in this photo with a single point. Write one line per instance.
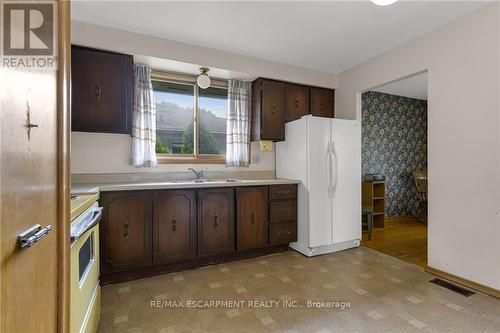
(266, 145)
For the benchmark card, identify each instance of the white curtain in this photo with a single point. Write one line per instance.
(143, 119)
(238, 123)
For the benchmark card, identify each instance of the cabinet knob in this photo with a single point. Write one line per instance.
(125, 231)
(216, 221)
(98, 91)
(296, 103)
(174, 225)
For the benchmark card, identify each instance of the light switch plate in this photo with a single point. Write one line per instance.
(266, 145)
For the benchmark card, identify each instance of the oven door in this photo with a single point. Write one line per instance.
(84, 277)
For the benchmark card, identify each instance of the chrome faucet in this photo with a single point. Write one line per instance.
(197, 173)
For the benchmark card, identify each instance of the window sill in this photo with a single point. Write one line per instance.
(191, 160)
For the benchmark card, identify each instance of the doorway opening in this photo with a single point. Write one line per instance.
(394, 168)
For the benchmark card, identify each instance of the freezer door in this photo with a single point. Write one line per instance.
(346, 180)
(318, 169)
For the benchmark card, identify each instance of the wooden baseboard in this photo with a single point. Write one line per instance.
(464, 282)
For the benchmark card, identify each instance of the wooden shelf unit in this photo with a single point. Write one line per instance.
(373, 195)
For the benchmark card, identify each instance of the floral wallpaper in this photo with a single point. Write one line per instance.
(394, 143)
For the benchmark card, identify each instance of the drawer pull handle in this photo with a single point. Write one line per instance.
(252, 218)
(216, 221)
(284, 210)
(174, 225)
(125, 231)
(284, 233)
(284, 191)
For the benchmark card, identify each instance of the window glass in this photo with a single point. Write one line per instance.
(174, 118)
(212, 114)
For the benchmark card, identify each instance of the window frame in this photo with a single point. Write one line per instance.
(196, 157)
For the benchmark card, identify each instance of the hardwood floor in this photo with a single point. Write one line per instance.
(405, 239)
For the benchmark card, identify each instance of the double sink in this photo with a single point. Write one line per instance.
(204, 180)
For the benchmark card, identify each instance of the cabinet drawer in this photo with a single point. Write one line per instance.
(278, 192)
(282, 233)
(281, 211)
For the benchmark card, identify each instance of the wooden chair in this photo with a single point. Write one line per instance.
(420, 180)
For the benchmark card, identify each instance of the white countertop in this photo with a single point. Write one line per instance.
(108, 187)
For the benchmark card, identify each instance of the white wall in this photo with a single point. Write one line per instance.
(462, 60)
(110, 153)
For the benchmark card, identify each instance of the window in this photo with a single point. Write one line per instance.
(190, 121)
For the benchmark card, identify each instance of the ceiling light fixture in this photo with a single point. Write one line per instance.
(383, 2)
(203, 79)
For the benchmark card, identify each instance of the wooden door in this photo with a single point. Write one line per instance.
(272, 109)
(102, 90)
(125, 230)
(33, 188)
(251, 217)
(296, 101)
(322, 102)
(174, 229)
(215, 221)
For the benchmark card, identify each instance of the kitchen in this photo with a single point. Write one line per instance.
(208, 182)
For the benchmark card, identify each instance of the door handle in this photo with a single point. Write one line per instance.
(125, 230)
(98, 91)
(32, 235)
(174, 225)
(334, 167)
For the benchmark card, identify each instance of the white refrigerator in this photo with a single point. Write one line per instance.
(325, 155)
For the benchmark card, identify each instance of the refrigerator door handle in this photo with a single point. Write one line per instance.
(329, 169)
(333, 167)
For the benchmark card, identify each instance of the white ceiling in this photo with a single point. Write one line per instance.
(326, 36)
(413, 87)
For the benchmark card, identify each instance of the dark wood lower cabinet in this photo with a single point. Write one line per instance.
(144, 233)
(125, 230)
(252, 217)
(215, 221)
(174, 226)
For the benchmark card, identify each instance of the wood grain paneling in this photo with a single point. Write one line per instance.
(174, 226)
(252, 217)
(125, 230)
(216, 227)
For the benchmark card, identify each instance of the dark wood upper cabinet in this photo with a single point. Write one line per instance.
(125, 230)
(322, 102)
(252, 217)
(216, 227)
(174, 226)
(268, 114)
(296, 101)
(101, 90)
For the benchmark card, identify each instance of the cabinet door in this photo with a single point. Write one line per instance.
(125, 230)
(174, 226)
(296, 101)
(251, 217)
(272, 109)
(215, 221)
(101, 91)
(322, 102)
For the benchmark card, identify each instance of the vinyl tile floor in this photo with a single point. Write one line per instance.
(358, 290)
